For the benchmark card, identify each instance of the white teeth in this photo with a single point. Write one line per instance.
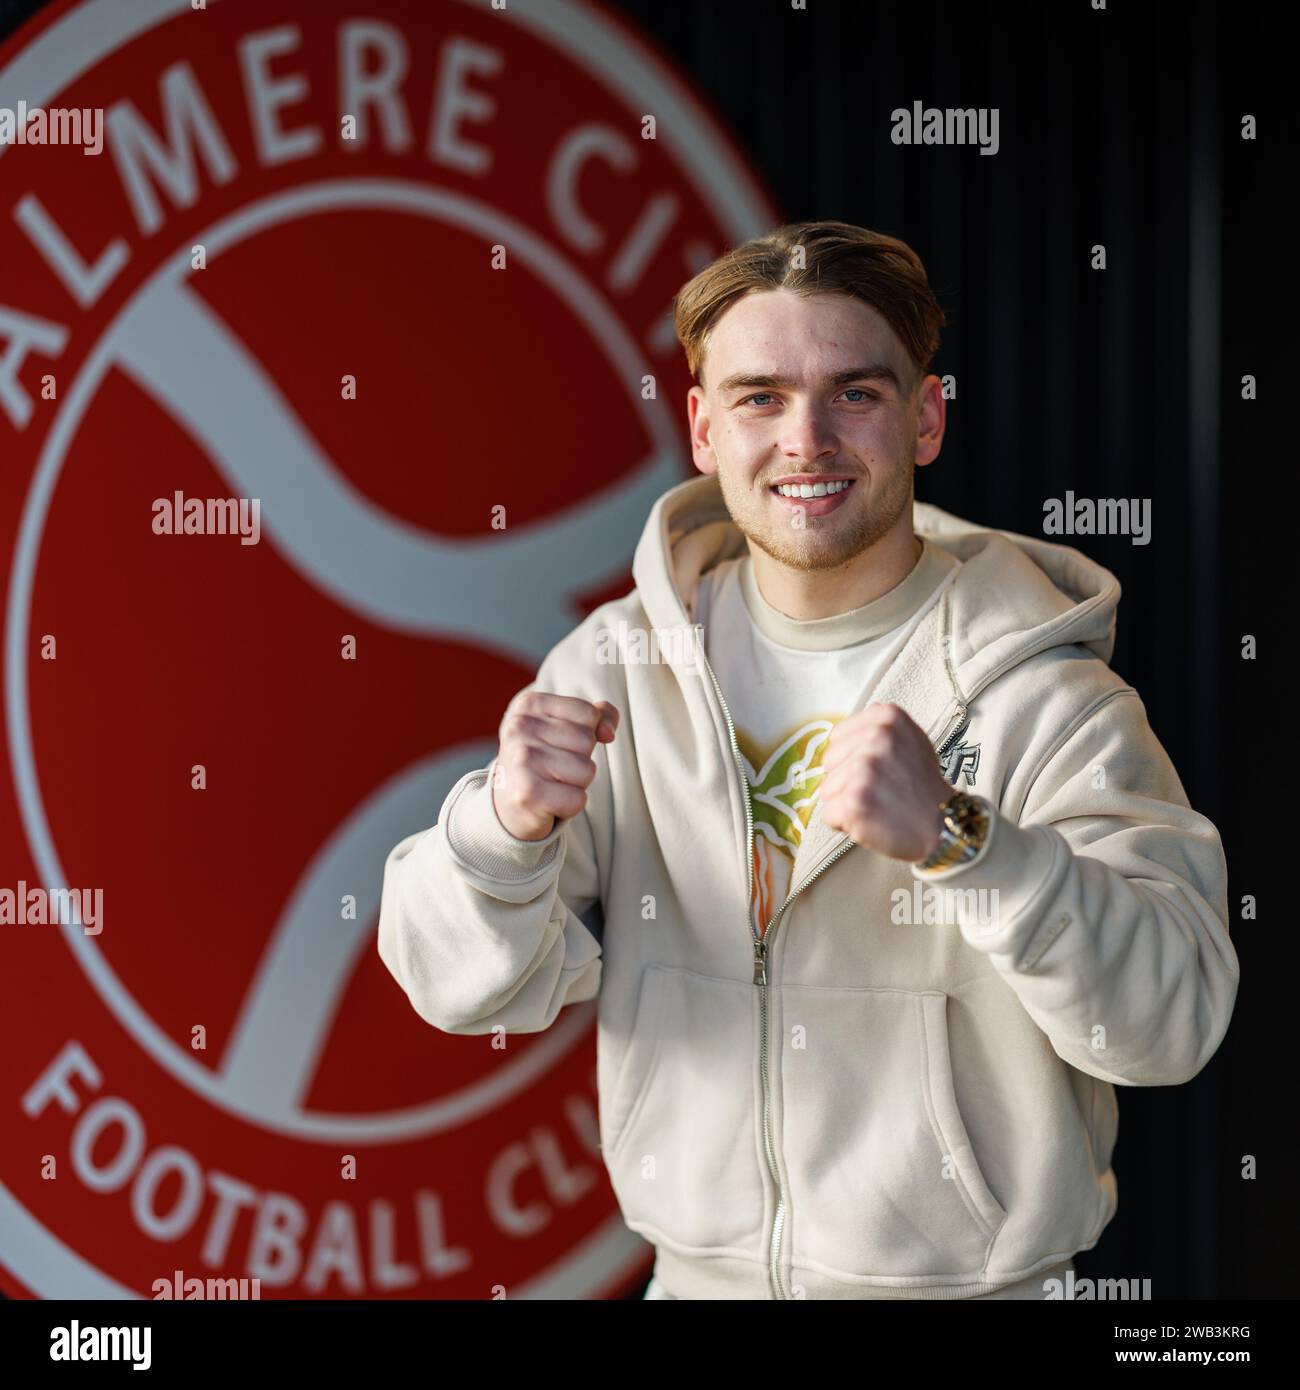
(813, 489)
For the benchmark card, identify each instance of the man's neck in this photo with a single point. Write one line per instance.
(809, 594)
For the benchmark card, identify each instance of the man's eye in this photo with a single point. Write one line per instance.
(865, 395)
(754, 399)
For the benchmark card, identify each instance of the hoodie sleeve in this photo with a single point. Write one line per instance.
(1111, 923)
(483, 930)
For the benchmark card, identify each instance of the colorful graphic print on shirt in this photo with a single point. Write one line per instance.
(784, 780)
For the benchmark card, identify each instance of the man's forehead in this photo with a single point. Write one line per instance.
(746, 339)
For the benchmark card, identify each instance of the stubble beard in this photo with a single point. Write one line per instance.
(829, 542)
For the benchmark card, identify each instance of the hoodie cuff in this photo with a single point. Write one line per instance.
(1013, 865)
(476, 836)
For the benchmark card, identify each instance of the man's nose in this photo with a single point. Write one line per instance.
(807, 435)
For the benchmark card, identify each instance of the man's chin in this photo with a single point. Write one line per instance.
(810, 550)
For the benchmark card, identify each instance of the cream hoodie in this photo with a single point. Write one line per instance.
(884, 1100)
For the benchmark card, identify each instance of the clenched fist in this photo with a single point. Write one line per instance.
(881, 783)
(544, 765)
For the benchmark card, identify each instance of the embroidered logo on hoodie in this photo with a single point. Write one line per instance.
(961, 761)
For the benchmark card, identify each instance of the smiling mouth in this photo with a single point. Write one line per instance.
(814, 504)
(797, 492)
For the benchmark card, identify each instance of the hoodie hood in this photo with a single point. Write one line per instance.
(1012, 597)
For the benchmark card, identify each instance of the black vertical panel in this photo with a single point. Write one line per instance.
(1031, 468)
(1258, 338)
(833, 130)
(1004, 348)
(1160, 409)
(1111, 372)
(1067, 232)
(884, 79)
(1204, 378)
(784, 126)
(947, 234)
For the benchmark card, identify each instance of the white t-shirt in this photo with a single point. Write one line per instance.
(787, 683)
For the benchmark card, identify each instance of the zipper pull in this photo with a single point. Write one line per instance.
(760, 961)
(956, 725)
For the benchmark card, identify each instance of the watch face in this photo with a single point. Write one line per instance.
(955, 813)
(966, 819)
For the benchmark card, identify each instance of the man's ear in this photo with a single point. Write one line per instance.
(698, 424)
(931, 420)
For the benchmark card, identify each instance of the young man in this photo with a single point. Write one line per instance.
(897, 883)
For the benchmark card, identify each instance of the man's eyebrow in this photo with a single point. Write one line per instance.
(876, 371)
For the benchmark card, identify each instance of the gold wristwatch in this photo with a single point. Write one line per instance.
(965, 828)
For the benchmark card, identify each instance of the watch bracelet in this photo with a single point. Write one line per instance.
(953, 847)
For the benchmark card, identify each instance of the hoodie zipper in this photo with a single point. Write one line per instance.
(761, 947)
(760, 980)
(762, 944)
(962, 718)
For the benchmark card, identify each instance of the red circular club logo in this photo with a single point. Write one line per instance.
(324, 405)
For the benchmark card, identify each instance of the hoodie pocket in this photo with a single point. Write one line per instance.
(681, 1133)
(883, 1179)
